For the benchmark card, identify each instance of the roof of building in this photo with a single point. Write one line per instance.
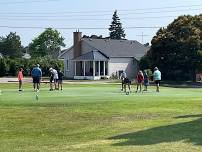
(114, 48)
(118, 48)
(94, 55)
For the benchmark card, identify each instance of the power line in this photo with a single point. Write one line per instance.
(142, 35)
(81, 19)
(167, 7)
(75, 28)
(150, 12)
(169, 11)
(95, 11)
(25, 2)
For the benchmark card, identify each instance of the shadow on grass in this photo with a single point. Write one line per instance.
(181, 84)
(188, 131)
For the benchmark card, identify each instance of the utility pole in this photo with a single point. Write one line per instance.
(142, 35)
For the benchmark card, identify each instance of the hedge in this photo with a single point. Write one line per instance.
(9, 67)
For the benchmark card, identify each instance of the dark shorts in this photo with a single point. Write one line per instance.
(59, 81)
(126, 80)
(146, 82)
(36, 79)
(51, 79)
(157, 81)
(20, 81)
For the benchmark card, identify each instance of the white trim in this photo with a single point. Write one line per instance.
(104, 68)
(87, 77)
(98, 68)
(94, 68)
(74, 67)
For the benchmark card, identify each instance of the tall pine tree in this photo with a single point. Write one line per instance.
(116, 30)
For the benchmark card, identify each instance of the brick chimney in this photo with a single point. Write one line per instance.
(77, 43)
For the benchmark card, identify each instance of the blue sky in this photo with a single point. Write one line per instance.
(77, 14)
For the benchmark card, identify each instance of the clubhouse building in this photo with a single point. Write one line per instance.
(95, 59)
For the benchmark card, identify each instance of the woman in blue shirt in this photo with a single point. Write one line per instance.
(157, 78)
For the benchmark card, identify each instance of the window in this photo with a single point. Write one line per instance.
(67, 64)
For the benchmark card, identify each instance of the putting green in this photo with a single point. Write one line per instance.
(100, 118)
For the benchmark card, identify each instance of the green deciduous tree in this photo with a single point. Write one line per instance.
(177, 49)
(48, 43)
(10, 46)
(116, 30)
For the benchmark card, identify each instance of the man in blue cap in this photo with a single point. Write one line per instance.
(36, 75)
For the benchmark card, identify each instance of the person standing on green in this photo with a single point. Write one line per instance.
(146, 80)
(36, 76)
(123, 76)
(157, 78)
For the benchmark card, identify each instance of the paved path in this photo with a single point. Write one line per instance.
(29, 80)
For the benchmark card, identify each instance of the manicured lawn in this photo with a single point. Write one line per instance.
(100, 118)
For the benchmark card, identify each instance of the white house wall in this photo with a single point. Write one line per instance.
(68, 72)
(129, 65)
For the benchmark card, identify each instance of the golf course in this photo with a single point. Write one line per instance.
(100, 118)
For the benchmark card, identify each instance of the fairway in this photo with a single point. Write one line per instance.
(99, 117)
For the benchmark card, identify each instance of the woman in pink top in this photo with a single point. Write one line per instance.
(20, 77)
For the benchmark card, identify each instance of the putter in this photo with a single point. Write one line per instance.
(37, 97)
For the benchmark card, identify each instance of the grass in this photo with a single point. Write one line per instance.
(100, 118)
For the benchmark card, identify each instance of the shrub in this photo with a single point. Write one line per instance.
(9, 67)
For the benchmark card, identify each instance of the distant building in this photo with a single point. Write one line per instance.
(96, 58)
(26, 56)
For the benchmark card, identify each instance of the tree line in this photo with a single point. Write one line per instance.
(175, 49)
(49, 42)
(9, 66)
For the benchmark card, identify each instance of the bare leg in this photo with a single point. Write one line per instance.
(137, 87)
(157, 87)
(129, 86)
(34, 85)
(122, 85)
(37, 86)
(61, 86)
(51, 86)
(20, 85)
(140, 87)
(55, 84)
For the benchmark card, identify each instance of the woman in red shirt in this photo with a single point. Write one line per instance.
(140, 80)
(20, 77)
